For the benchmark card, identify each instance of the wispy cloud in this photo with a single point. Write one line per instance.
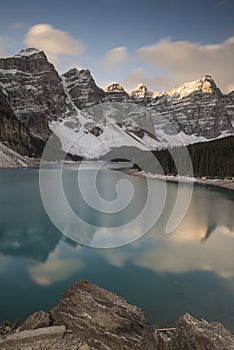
(115, 57)
(137, 76)
(53, 41)
(184, 60)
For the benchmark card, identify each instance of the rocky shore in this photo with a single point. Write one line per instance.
(91, 318)
(227, 183)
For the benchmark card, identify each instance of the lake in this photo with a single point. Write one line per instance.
(190, 270)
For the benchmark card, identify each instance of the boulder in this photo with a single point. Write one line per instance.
(192, 334)
(103, 319)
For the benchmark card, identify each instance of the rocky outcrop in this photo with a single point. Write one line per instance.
(14, 134)
(197, 108)
(116, 93)
(38, 319)
(82, 88)
(42, 338)
(91, 318)
(34, 90)
(192, 334)
(103, 319)
(141, 95)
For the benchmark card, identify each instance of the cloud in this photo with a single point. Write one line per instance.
(53, 41)
(61, 264)
(137, 76)
(166, 254)
(114, 57)
(185, 61)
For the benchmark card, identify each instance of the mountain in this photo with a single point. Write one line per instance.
(15, 138)
(197, 108)
(90, 121)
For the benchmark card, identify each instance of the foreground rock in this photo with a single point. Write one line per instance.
(91, 318)
(103, 319)
(192, 334)
(39, 319)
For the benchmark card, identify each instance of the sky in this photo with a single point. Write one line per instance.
(162, 43)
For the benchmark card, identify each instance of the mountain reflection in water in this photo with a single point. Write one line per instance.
(191, 269)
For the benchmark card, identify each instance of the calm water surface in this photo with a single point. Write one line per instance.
(191, 270)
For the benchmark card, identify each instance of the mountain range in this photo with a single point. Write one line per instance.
(88, 121)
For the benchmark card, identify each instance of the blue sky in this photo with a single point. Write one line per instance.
(160, 42)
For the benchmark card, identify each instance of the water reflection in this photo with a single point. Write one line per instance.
(62, 263)
(190, 270)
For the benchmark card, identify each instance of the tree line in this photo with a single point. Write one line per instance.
(211, 159)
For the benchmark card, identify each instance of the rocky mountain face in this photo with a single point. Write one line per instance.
(84, 116)
(34, 90)
(197, 108)
(116, 93)
(14, 134)
(82, 88)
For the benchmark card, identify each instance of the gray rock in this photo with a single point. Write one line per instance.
(192, 334)
(163, 337)
(116, 93)
(82, 88)
(34, 90)
(25, 338)
(14, 134)
(38, 319)
(197, 108)
(103, 319)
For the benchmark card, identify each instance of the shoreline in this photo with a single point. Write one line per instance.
(227, 184)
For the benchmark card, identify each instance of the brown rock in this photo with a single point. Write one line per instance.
(25, 338)
(162, 337)
(192, 334)
(103, 319)
(39, 319)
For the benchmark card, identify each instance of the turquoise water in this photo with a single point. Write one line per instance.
(190, 270)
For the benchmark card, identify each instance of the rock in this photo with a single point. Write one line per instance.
(116, 93)
(34, 90)
(25, 338)
(192, 334)
(39, 319)
(84, 347)
(114, 87)
(7, 327)
(141, 94)
(82, 88)
(196, 108)
(162, 337)
(14, 134)
(103, 319)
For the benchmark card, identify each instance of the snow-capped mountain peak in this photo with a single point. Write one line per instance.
(77, 110)
(29, 52)
(114, 87)
(205, 84)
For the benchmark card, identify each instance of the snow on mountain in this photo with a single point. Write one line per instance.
(94, 131)
(197, 108)
(28, 52)
(90, 121)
